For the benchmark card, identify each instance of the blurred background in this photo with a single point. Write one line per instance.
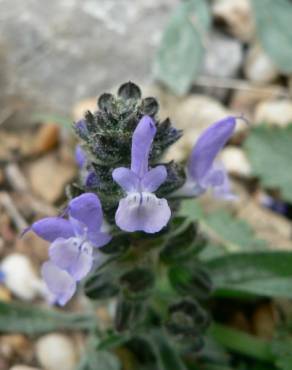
(203, 60)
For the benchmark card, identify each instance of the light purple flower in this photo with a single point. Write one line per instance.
(141, 209)
(203, 171)
(80, 156)
(72, 244)
(88, 175)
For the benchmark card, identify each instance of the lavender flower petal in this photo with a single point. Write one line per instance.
(208, 145)
(153, 179)
(98, 239)
(86, 208)
(141, 144)
(72, 255)
(80, 156)
(142, 211)
(51, 228)
(217, 179)
(126, 178)
(60, 284)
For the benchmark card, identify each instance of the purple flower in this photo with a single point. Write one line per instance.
(203, 171)
(88, 176)
(72, 244)
(141, 209)
(80, 156)
(2, 276)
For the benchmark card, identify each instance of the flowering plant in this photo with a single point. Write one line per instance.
(121, 233)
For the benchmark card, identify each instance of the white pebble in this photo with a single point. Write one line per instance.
(235, 161)
(259, 67)
(237, 15)
(56, 352)
(20, 277)
(274, 113)
(23, 367)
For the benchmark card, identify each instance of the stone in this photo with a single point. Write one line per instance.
(46, 138)
(264, 321)
(5, 295)
(223, 59)
(235, 161)
(223, 56)
(56, 351)
(258, 67)
(82, 106)
(245, 101)
(48, 176)
(23, 367)
(236, 16)
(193, 114)
(290, 86)
(16, 346)
(58, 54)
(274, 113)
(267, 225)
(20, 277)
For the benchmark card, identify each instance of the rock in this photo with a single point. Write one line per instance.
(258, 66)
(56, 351)
(23, 367)
(5, 295)
(223, 59)
(14, 346)
(55, 65)
(223, 56)
(272, 228)
(20, 277)
(245, 101)
(239, 321)
(48, 177)
(235, 161)
(46, 138)
(290, 86)
(82, 106)
(236, 16)
(269, 226)
(264, 321)
(274, 112)
(193, 114)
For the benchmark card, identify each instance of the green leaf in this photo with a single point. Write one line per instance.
(30, 320)
(181, 52)
(270, 152)
(99, 360)
(243, 343)
(273, 24)
(233, 233)
(281, 348)
(167, 356)
(261, 273)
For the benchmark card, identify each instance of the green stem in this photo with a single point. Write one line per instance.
(243, 343)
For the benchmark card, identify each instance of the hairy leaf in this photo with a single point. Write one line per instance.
(270, 152)
(260, 273)
(273, 24)
(30, 320)
(181, 51)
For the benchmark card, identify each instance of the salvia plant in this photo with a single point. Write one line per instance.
(121, 235)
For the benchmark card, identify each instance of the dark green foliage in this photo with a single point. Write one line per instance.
(20, 318)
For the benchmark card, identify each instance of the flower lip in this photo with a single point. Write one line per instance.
(138, 210)
(72, 243)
